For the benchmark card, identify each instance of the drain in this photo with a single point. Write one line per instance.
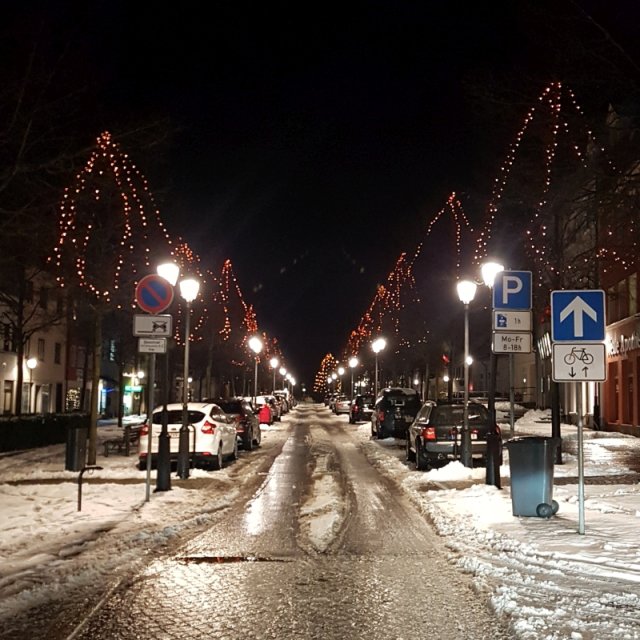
(227, 559)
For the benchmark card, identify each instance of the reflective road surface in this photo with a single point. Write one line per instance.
(266, 568)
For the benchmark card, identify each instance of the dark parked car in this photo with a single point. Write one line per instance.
(435, 436)
(361, 408)
(393, 412)
(246, 421)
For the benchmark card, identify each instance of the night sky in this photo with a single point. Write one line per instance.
(312, 142)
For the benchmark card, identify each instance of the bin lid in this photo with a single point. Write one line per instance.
(548, 440)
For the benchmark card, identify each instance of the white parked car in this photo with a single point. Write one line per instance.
(212, 434)
(342, 404)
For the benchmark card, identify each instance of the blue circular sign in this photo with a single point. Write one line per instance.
(154, 294)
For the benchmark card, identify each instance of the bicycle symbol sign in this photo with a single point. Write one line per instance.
(579, 362)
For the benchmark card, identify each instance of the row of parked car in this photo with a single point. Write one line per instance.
(217, 428)
(432, 430)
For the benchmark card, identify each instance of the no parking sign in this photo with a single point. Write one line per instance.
(154, 294)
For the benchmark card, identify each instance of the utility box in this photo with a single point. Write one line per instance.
(531, 461)
(76, 451)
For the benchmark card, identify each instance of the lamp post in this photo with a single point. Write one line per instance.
(255, 344)
(353, 363)
(377, 345)
(489, 271)
(274, 362)
(170, 272)
(189, 291)
(466, 293)
(32, 363)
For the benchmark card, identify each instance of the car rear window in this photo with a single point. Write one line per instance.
(410, 403)
(445, 415)
(175, 417)
(230, 406)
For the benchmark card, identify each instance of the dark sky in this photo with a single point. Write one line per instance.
(313, 141)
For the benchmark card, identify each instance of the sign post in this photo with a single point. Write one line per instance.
(512, 323)
(154, 295)
(579, 354)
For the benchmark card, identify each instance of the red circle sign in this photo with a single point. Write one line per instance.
(154, 294)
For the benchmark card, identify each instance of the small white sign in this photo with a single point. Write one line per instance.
(511, 320)
(152, 326)
(511, 342)
(152, 345)
(582, 362)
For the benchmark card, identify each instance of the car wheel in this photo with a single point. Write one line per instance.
(374, 433)
(422, 463)
(217, 460)
(258, 439)
(247, 441)
(411, 456)
(234, 453)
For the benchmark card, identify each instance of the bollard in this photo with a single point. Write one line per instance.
(80, 483)
(494, 447)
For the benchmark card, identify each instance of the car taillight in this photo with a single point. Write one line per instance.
(208, 427)
(429, 433)
(381, 416)
(498, 432)
(144, 429)
(474, 431)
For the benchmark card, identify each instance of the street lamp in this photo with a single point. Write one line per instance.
(353, 363)
(466, 293)
(340, 374)
(274, 362)
(189, 291)
(32, 363)
(255, 344)
(377, 345)
(170, 272)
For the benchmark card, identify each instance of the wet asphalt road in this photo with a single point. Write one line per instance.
(261, 571)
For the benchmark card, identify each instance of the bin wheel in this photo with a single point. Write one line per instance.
(554, 507)
(544, 510)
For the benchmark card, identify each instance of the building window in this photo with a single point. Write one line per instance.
(41, 349)
(113, 350)
(633, 294)
(7, 337)
(44, 298)
(57, 353)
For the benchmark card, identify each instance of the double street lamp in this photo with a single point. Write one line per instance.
(255, 344)
(189, 288)
(274, 362)
(377, 345)
(353, 363)
(466, 293)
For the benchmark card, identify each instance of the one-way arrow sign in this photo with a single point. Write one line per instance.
(577, 316)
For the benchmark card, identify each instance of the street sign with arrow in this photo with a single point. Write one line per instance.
(577, 316)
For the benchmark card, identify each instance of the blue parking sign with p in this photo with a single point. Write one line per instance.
(512, 290)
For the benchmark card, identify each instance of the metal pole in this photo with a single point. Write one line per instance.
(580, 461)
(467, 459)
(492, 475)
(511, 394)
(375, 391)
(255, 380)
(150, 386)
(274, 378)
(352, 384)
(163, 474)
(183, 443)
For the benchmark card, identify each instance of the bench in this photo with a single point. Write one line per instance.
(119, 445)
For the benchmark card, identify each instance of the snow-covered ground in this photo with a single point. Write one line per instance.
(549, 579)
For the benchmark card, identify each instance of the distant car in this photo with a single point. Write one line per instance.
(341, 404)
(246, 421)
(361, 408)
(435, 436)
(212, 434)
(393, 412)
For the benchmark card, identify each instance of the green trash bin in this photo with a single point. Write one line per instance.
(531, 460)
(76, 449)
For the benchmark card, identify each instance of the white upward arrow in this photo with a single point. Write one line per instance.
(578, 307)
